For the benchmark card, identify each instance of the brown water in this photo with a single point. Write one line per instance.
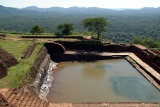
(101, 81)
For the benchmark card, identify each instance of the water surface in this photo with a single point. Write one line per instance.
(101, 81)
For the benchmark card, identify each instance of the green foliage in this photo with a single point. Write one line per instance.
(65, 29)
(148, 42)
(97, 25)
(37, 30)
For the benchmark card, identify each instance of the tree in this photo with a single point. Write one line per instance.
(97, 25)
(65, 28)
(37, 30)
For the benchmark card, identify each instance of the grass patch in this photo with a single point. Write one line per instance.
(16, 48)
(19, 35)
(16, 73)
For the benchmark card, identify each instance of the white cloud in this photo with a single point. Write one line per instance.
(82, 3)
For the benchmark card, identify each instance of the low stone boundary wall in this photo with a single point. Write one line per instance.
(105, 104)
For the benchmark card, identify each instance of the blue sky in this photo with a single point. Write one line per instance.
(82, 3)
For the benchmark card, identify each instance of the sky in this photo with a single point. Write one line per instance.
(81, 3)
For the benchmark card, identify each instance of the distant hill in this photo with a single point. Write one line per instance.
(74, 10)
(7, 9)
(90, 10)
(84, 9)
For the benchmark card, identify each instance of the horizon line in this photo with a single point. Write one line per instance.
(78, 7)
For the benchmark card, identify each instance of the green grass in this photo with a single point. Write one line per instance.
(16, 48)
(16, 73)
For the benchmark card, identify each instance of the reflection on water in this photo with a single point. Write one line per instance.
(102, 81)
(93, 70)
(135, 88)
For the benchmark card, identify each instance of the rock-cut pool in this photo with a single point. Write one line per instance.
(112, 80)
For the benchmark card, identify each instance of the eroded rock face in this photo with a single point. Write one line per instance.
(6, 61)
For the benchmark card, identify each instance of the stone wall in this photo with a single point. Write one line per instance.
(33, 71)
(56, 50)
(91, 47)
(34, 88)
(147, 56)
(34, 77)
(152, 58)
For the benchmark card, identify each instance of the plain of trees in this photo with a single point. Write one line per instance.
(121, 29)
